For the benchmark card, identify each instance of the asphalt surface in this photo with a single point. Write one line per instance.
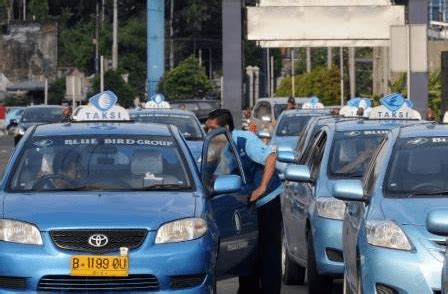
(229, 286)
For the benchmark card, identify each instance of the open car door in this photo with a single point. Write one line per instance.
(236, 220)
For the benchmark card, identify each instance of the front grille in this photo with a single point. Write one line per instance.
(186, 281)
(12, 283)
(79, 239)
(67, 283)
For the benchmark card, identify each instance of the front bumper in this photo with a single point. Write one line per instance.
(327, 234)
(164, 261)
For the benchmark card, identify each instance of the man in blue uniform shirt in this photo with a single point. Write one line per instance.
(264, 187)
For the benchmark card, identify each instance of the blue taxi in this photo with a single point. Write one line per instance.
(186, 121)
(107, 204)
(312, 238)
(387, 246)
(437, 223)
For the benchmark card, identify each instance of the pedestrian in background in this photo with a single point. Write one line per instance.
(264, 187)
(291, 103)
(67, 114)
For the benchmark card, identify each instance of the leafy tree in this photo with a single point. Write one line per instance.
(321, 82)
(435, 94)
(187, 80)
(56, 91)
(115, 83)
(39, 10)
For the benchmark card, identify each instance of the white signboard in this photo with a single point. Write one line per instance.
(309, 24)
(323, 2)
(404, 39)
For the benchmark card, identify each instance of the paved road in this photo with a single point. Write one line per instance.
(229, 286)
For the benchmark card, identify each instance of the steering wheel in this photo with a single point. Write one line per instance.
(430, 187)
(50, 179)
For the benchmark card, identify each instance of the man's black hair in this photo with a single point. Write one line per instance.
(223, 117)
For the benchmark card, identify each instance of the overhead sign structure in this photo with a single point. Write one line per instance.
(316, 26)
(323, 2)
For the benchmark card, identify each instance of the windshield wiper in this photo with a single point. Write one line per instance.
(163, 187)
(429, 193)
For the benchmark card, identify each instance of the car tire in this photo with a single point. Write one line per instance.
(316, 283)
(292, 273)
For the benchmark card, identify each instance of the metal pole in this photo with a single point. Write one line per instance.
(268, 73)
(97, 37)
(256, 85)
(272, 76)
(114, 37)
(308, 59)
(250, 74)
(101, 73)
(341, 65)
(24, 9)
(329, 57)
(408, 73)
(46, 92)
(73, 92)
(293, 82)
(210, 64)
(171, 34)
(351, 62)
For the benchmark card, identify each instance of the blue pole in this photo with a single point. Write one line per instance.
(155, 44)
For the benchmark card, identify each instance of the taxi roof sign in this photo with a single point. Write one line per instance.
(103, 107)
(353, 105)
(313, 104)
(157, 101)
(395, 106)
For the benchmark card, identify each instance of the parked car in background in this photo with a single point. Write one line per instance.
(35, 115)
(267, 110)
(187, 123)
(200, 107)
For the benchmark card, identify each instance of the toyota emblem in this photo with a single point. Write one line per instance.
(98, 240)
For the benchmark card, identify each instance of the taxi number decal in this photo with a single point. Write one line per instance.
(376, 132)
(116, 266)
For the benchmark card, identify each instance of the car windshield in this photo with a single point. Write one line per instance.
(352, 151)
(292, 125)
(186, 124)
(100, 163)
(278, 109)
(418, 168)
(42, 114)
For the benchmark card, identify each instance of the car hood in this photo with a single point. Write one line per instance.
(195, 148)
(285, 142)
(410, 211)
(100, 209)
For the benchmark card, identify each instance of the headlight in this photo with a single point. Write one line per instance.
(386, 233)
(330, 208)
(181, 230)
(19, 232)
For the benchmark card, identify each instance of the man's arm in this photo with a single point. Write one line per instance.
(269, 168)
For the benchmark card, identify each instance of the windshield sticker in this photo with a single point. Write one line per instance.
(43, 143)
(160, 115)
(418, 141)
(120, 141)
(376, 132)
(352, 133)
(440, 140)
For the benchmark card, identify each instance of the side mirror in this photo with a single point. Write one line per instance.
(298, 173)
(286, 156)
(266, 118)
(227, 184)
(349, 190)
(437, 222)
(264, 134)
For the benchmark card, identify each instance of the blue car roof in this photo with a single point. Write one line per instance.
(424, 130)
(99, 128)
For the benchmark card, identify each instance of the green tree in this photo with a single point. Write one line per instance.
(56, 91)
(187, 80)
(115, 83)
(39, 10)
(435, 94)
(321, 82)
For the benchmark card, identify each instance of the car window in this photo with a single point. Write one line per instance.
(375, 168)
(187, 124)
(418, 167)
(100, 163)
(292, 125)
(263, 109)
(351, 152)
(278, 109)
(43, 114)
(317, 154)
